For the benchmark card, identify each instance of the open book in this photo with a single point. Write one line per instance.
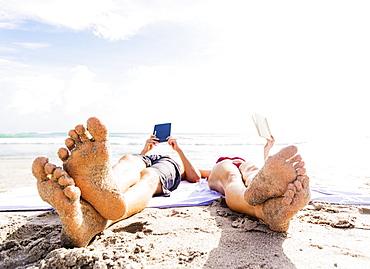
(262, 126)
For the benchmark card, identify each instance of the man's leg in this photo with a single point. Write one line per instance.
(80, 221)
(87, 161)
(138, 196)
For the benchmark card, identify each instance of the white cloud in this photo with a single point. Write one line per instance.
(109, 19)
(270, 58)
(69, 93)
(32, 45)
(35, 94)
(7, 49)
(82, 90)
(113, 26)
(7, 64)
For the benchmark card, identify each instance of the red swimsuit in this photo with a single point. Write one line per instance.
(237, 164)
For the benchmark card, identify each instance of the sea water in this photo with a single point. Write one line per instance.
(338, 165)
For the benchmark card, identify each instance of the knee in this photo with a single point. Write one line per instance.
(152, 178)
(248, 167)
(148, 173)
(128, 157)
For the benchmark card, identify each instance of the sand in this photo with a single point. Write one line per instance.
(321, 236)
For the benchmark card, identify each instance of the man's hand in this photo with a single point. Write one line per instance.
(150, 144)
(173, 143)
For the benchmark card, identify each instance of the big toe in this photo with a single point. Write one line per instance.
(38, 168)
(287, 152)
(98, 131)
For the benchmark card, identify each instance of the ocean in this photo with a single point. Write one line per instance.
(329, 162)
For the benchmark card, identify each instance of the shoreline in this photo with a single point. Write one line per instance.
(320, 236)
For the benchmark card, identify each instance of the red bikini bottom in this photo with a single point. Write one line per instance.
(237, 164)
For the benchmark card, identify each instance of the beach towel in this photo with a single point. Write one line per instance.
(188, 194)
(340, 197)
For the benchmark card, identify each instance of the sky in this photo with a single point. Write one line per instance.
(205, 66)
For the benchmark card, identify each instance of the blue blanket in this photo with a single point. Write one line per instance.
(339, 197)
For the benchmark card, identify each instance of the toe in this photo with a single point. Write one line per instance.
(49, 168)
(65, 180)
(62, 177)
(298, 185)
(299, 164)
(295, 159)
(287, 200)
(58, 172)
(74, 135)
(305, 181)
(289, 194)
(301, 171)
(72, 192)
(287, 152)
(81, 131)
(38, 168)
(70, 143)
(98, 131)
(291, 187)
(63, 154)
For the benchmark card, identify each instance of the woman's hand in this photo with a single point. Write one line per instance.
(268, 146)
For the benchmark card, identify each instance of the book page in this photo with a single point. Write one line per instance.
(262, 126)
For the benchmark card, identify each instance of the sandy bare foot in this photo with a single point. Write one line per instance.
(87, 161)
(79, 219)
(272, 180)
(277, 212)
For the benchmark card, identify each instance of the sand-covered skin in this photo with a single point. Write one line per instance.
(320, 236)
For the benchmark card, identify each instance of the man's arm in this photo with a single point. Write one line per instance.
(190, 173)
(149, 144)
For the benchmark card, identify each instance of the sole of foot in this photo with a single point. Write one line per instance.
(272, 180)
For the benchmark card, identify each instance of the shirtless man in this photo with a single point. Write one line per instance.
(90, 195)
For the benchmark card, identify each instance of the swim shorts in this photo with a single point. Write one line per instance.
(168, 171)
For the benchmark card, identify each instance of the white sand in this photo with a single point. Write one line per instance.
(323, 236)
(320, 236)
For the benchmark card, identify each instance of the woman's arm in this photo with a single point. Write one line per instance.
(205, 173)
(268, 146)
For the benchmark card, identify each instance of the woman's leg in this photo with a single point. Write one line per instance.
(275, 212)
(226, 178)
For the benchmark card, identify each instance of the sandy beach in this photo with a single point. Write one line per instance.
(321, 236)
